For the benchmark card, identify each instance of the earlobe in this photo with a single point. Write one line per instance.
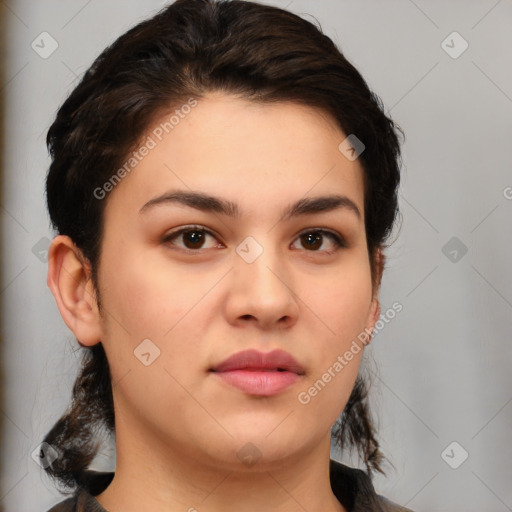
(373, 316)
(69, 280)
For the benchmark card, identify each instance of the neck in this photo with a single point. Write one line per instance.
(163, 479)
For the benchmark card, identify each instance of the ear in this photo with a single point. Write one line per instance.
(373, 316)
(374, 310)
(69, 279)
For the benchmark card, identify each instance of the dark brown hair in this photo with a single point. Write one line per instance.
(192, 47)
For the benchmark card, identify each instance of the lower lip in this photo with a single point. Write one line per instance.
(259, 383)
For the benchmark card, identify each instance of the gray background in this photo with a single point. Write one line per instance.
(442, 366)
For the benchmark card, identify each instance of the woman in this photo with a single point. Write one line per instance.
(223, 183)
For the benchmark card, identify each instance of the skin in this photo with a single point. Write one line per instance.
(178, 426)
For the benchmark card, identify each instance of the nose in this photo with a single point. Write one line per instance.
(261, 290)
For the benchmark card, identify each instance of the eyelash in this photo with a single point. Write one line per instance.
(338, 240)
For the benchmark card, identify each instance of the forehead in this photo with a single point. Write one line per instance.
(257, 154)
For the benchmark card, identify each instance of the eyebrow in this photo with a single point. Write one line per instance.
(207, 203)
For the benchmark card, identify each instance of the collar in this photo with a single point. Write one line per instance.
(352, 487)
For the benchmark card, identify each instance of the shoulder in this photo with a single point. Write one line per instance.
(82, 501)
(68, 505)
(389, 506)
(354, 488)
(91, 483)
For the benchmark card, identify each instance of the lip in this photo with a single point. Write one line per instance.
(260, 373)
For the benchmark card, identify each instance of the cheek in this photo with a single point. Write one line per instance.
(150, 300)
(147, 298)
(341, 301)
(341, 304)
(322, 398)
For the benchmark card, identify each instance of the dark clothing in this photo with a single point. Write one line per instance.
(352, 487)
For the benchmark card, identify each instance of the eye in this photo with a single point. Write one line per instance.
(314, 240)
(192, 238)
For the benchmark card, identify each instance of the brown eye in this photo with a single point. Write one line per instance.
(194, 239)
(314, 240)
(191, 238)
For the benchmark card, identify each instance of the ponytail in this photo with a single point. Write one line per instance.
(74, 436)
(355, 428)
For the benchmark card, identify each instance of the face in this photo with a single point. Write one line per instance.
(186, 281)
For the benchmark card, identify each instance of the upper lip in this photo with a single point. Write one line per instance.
(256, 360)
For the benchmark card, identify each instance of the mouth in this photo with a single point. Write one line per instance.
(258, 373)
